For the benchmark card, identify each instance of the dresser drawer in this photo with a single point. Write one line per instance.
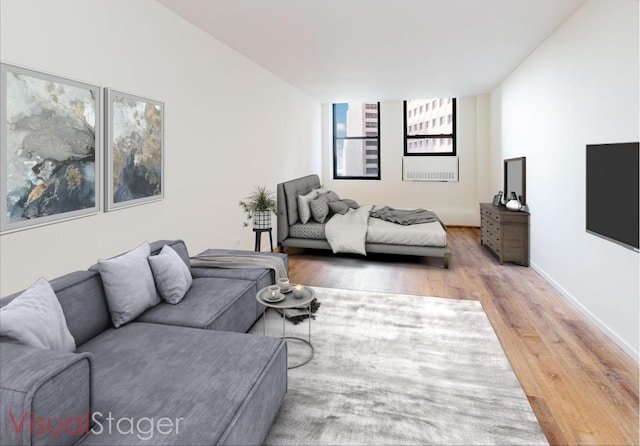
(514, 217)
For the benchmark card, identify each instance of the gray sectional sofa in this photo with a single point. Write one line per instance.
(184, 374)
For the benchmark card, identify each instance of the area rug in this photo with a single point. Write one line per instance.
(400, 369)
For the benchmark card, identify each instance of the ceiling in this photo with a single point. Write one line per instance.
(343, 50)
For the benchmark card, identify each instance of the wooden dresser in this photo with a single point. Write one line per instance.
(505, 232)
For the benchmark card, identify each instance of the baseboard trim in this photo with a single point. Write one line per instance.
(586, 313)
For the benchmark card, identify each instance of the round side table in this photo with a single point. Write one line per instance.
(289, 302)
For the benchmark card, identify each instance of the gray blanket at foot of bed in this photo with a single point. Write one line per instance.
(405, 216)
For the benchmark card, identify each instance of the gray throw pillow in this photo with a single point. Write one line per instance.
(172, 276)
(128, 284)
(338, 207)
(351, 203)
(320, 209)
(321, 190)
(35, 318)
(304, 202)
(331, 196)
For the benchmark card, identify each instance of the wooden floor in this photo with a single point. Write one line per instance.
(582, 387)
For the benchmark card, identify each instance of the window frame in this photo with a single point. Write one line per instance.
(452, 135)
(365, 137)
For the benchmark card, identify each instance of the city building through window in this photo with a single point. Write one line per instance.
(430, 126)
(356, 140)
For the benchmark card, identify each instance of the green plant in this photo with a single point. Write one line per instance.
(261, 199)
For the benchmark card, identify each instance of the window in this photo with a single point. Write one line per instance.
(435, 135)
(356, 141)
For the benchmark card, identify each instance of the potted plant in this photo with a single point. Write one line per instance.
(258, 207)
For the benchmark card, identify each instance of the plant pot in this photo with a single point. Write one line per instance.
(262, 220)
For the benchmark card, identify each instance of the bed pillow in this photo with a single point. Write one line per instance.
(322, 190)
(171, 275)
(35, 318)
(351, 203)
(331, 196)
(339, 207)
(304, 202)
(320, 209)
(342, 206)
(128, 284)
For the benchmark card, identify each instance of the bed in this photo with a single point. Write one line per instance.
(424, 240)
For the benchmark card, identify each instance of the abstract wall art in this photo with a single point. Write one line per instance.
(49, 148)
(135, 150)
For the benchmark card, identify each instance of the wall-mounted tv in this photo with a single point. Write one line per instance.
(613, 192)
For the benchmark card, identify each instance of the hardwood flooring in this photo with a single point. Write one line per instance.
(583, 388)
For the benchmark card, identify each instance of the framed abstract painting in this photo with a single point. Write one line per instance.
(50, 148)
(135, 150)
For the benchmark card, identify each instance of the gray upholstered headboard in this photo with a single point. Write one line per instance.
(287, 195)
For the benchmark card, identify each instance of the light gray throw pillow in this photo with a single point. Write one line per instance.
(172, 276)
(304, 201)
(35, 318)
(128, 284)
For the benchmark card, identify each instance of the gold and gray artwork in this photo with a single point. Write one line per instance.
(50, 147)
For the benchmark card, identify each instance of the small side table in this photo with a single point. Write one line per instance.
(259, 238)
(289, 302)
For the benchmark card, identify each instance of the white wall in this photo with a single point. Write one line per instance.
(580, 87)
(455, 202)
(230, 125)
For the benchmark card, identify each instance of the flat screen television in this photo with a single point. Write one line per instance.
(612, 192)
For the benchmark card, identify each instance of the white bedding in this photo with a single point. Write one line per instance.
(347, 233)
(423, 234)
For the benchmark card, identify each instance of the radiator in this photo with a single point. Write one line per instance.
(430, 168)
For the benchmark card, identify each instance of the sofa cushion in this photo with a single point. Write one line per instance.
(171, 275)
(35, 319)
(177, 245)
(83, 302)
(262, 277)
(128, 284)
(225, 387)
(210, 303)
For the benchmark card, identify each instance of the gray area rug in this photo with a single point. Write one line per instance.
(399, 369)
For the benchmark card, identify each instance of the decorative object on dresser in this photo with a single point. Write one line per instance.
(514, 204)
(497, 199)
(505, 232)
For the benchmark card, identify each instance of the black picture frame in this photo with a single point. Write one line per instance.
(497, 199)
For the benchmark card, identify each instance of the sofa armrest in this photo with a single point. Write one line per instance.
(45, 395)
